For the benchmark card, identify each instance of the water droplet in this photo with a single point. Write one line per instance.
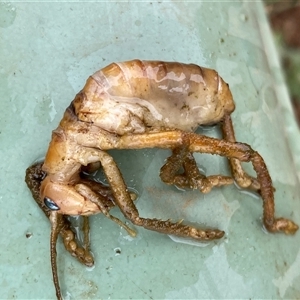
(117, 251)
(28, 235)
(90, 269)
(187, 241)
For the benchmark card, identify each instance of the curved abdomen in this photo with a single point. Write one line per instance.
(139, 96)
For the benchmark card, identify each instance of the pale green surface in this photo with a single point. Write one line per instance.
(47, 52)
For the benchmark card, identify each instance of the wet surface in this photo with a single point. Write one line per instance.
(47, 61)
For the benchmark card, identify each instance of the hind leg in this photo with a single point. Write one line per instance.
(243, 179)
(191, 177)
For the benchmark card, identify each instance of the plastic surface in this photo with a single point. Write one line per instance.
(47, 52)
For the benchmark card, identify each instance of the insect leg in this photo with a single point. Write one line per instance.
(240, 151)
(97, 199)
(232, 150)
(125, 203)
(191, 177)
(241, 177)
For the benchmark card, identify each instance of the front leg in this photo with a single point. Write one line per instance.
(128, 208)
(89, 194)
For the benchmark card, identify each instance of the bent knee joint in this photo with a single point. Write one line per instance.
(247, 152)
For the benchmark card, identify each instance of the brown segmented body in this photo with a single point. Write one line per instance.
(139, 96)
(145, 104)
(140, 104)
(130, 98)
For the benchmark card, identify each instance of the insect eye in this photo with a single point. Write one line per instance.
(50, 204)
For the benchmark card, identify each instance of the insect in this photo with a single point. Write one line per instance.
(145, 104)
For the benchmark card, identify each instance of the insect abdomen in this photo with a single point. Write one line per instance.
(138, 96)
